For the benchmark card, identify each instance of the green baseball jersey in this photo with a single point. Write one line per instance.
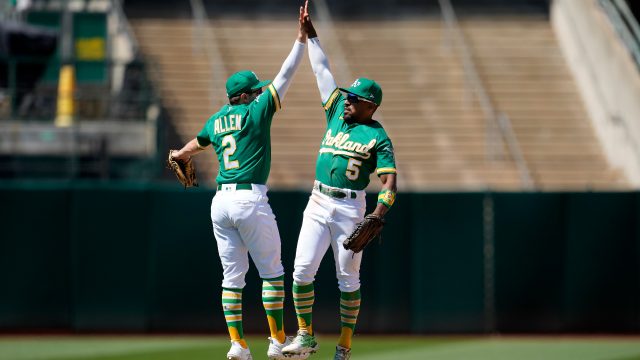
(241, 138)
(350, 152)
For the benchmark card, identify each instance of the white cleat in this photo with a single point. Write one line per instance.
(342, 353)
(275, 350)
(302, 345)
(237, 352)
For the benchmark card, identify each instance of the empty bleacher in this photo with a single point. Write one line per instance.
(438, 129)
(528, 78)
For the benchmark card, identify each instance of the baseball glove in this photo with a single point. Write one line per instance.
(365, 231)
(185, 170)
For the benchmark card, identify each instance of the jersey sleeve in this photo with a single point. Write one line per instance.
(333, 108)
(386, 162)
(203, 138)
(266, 104)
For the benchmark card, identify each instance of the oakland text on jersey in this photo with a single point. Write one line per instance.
(227, 123)
(350, 148)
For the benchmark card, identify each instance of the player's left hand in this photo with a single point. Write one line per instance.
(365, 231)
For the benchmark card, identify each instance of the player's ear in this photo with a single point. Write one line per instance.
(373, 109)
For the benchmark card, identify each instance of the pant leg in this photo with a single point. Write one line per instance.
(258, 228)
(345, 218)
(231, 248)
(313, 241)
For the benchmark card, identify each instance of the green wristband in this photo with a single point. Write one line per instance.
(387, 197)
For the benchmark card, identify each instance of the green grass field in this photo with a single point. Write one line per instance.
(365, 347)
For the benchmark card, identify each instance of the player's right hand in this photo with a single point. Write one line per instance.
(302, 32)
(178, 155)
(306, 21)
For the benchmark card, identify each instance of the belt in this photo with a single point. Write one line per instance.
(238, 186)
(335, 193)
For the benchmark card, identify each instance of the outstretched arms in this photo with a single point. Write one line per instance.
(282, 81)
(319, 61)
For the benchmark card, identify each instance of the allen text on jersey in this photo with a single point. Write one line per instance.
(227, 123)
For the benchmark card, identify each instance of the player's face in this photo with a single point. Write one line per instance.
(357, 108)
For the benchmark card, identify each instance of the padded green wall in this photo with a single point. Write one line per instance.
(142, 258)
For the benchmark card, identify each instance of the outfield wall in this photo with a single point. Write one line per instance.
(142, 258)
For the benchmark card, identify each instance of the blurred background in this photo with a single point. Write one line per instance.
(516, 126)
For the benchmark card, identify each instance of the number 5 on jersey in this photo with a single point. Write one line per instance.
(230, 143)
(353, 169)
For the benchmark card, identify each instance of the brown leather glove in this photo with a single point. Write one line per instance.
(365, 231)
(185, 170)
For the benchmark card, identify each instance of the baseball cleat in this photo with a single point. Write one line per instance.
(237, 352)
(342, 353)
(302, 344)
(275, 350)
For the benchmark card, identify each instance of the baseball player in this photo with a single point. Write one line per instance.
(353, 147)
(242, 218)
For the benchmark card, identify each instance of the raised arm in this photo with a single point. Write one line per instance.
(319, 61)
(282, 81)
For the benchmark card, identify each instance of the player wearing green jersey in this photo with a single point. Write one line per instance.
(243, 222)
(354, 146)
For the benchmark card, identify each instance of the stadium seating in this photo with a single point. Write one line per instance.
(528, 78)
(438, 129)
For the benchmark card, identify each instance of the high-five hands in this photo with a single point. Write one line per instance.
(306, 21)
(302, 32)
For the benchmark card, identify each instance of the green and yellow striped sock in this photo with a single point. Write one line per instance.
(272, 299)
(303, 297)
(349, 308)
(232, 307)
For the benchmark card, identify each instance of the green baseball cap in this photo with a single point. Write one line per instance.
(244, 81)
(366, 89)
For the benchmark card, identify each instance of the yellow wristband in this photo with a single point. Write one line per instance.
(387, 197)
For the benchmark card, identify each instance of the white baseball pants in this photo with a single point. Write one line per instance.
(243, 222)
(328, 222)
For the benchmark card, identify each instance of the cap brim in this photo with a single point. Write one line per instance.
(350, 92)
(356, 94)
(261, 84)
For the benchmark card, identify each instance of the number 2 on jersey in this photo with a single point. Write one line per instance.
(230, 142)
(353, 170)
